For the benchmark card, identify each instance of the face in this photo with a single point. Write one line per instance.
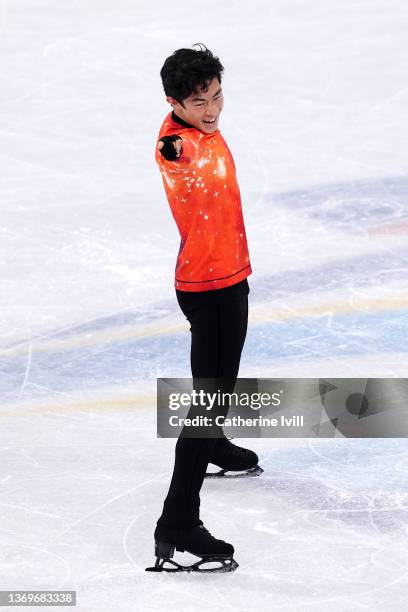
(201, 109)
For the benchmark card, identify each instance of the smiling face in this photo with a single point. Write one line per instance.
(201, 109)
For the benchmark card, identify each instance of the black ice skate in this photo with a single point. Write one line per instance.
(199, 542)
(234, 461)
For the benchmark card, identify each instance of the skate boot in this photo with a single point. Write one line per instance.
(234, 461)
(199, 542)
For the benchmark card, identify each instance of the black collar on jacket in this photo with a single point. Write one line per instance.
(179, 120)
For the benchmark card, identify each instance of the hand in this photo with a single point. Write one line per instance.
(170, 147)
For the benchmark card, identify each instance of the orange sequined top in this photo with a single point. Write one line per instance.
(203, 194)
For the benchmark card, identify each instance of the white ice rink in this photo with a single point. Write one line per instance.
(316, 94)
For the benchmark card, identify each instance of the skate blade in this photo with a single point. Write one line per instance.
(227, 565)
(256, 471)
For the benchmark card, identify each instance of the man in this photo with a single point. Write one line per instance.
(211, 285)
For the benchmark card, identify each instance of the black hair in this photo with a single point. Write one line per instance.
(187, 70)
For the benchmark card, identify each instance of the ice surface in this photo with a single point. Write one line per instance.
(315, 116)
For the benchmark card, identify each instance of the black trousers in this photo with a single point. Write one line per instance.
(219, 320)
